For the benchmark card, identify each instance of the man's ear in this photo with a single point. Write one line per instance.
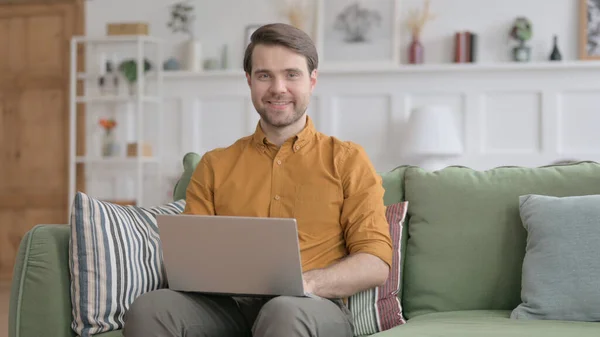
(313, 79)
(248, 79)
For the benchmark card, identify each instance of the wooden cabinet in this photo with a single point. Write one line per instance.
(34, 118)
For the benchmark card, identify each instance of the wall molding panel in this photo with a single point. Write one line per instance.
(508, 114)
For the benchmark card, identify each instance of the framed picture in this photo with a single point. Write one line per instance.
(358, 31)
(589, 29)
(249, 30)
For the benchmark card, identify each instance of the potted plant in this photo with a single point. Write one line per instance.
(182, 21)
(522, 31)
(129, 70)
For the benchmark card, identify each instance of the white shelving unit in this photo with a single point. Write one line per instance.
(140, 99)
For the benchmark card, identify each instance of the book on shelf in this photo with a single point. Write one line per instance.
(465, 47)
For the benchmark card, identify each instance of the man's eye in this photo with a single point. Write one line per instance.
(293, 75)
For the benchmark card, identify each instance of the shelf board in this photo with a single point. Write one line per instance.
(114, 160)
(182, 74)
(94, 76)
(384, 68)
(378, 68)
(460, 67)
(117, 39)
(115, 99)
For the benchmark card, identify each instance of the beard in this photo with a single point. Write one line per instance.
(281, 118)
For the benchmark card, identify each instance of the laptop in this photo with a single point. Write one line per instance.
(238, 256)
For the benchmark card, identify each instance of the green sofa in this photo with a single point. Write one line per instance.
(462, 262)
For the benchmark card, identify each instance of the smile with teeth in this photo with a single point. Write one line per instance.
(279, 104)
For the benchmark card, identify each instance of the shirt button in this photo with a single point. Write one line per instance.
(297, 147)
(279, 162)
(277, 197)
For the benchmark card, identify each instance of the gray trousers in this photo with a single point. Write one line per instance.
(168, 313)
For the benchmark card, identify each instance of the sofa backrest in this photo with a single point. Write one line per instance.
(393, 183)
(190, 161)
(466, 241)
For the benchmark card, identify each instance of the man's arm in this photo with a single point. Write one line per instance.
(199, 193)
(347, 277)
(366, 232)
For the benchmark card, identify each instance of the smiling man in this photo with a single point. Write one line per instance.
(286, 169)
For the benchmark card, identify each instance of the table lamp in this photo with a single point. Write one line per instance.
(433, 136)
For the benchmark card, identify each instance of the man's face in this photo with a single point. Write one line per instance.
(280, 84)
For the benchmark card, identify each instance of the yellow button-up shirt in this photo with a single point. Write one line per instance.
(329, 186)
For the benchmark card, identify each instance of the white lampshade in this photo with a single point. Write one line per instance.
(432, 130)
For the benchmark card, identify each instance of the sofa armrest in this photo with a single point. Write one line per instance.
(40, 300)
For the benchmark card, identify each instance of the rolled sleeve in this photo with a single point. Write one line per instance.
(363, 213)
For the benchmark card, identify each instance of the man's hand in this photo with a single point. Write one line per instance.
(347, 277)
(308, 288)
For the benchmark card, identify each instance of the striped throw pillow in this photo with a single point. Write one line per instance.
(114, 256)
(379, 309)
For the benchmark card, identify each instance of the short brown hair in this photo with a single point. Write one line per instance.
(283, 35)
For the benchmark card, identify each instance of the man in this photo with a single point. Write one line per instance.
(285, 169)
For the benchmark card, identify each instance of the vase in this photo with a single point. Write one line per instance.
(109, 144)
(192, 55)
(555, 55)
(522, 53)
(415, 51)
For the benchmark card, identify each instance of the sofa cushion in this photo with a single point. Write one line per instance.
(561, 269)
(489, 324)
(379, 309)
(115, 256)
(466, 241)
(393, 184)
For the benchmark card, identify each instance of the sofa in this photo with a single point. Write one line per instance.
(464, 253)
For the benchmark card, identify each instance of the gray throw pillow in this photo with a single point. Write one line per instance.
(561, 268)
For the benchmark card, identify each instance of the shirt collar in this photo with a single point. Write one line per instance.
(300, 139)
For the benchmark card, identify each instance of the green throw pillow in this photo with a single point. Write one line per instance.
(561, 268)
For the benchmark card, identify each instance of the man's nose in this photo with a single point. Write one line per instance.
(278, 86)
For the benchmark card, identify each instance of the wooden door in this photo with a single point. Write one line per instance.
(34, 117)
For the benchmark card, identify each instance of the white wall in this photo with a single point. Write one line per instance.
(222, 22)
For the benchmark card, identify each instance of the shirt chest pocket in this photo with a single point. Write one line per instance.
(317, 209)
